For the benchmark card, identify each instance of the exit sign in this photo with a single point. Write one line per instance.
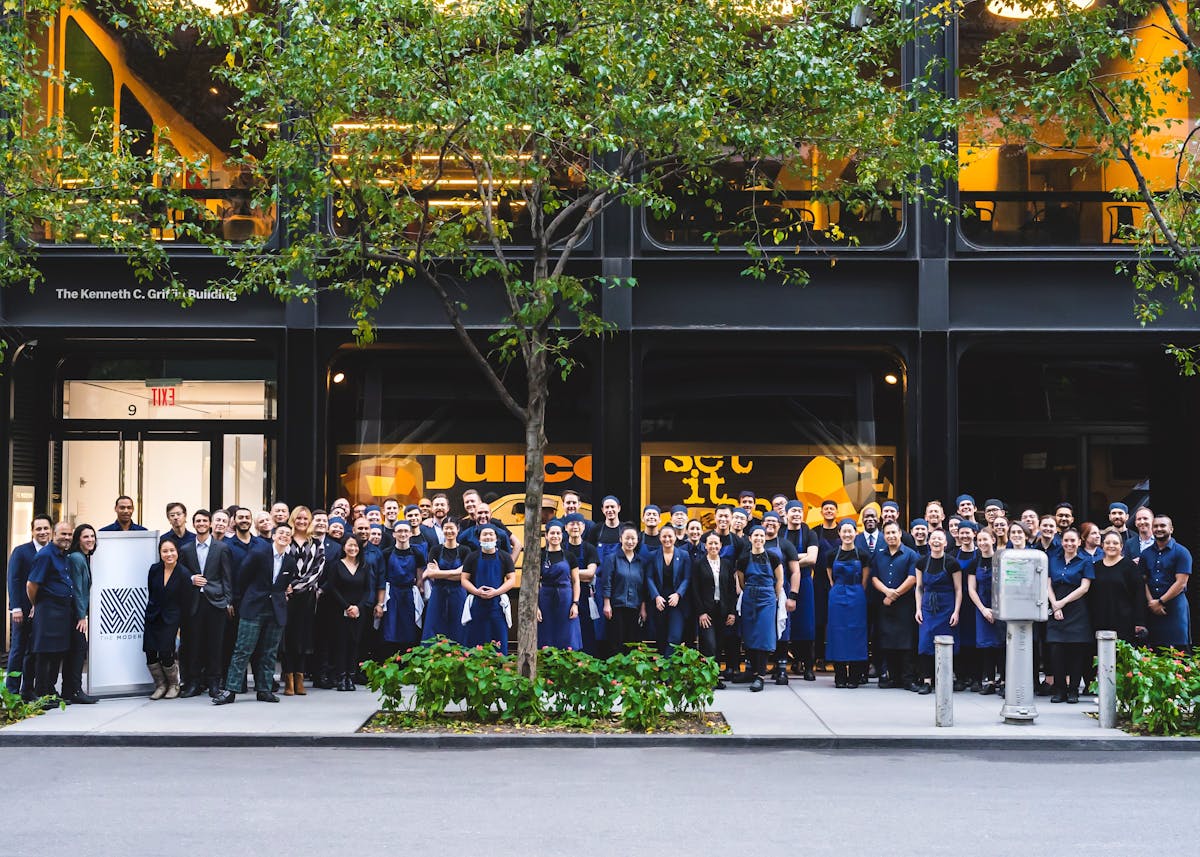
(163, 397)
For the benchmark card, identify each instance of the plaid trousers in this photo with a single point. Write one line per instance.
(259, 635)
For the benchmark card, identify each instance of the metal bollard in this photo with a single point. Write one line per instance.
(1106, 678)
(943, 683)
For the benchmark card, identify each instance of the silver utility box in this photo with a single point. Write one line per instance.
(1019, 587)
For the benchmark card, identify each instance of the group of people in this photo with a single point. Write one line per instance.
(317, 591)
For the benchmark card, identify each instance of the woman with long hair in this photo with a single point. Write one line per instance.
(79, 564)
(167, 583)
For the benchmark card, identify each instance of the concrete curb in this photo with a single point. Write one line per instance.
(719, 743)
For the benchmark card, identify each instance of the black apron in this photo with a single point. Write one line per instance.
(52, 623)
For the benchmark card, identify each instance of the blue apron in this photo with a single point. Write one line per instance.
(557, 629)
(443, 612)
(987, 635)
(605, 550)
(846, 630)
(1174, 629)
(937, 604)
(487, 625)
(802, 623)
(966, 618)
(399, 623)
(587, 595)
(759, 604)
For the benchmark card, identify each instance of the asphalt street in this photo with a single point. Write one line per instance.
(133, 801)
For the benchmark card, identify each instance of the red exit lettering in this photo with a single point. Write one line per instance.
(162, 397)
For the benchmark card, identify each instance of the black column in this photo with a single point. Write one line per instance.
(301, 386)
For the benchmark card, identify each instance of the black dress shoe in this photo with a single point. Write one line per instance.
(885, 683)
(82, 698)
(266, 696)
(225, 697)
(324, 682)
(51, 703)
(756, 685)
(915, 687)
(925, 689)
(851, 684)
(742, 678)
(976, 687)
(781, 677)
(960, 686)
(214, 689)
(1072, 697)
(809, 675)
(189, 691)
(839, 683)
(1059, 697)
(989, 689)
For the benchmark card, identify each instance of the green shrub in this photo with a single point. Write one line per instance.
(1158, 693)
(638, 686)
(13, 708)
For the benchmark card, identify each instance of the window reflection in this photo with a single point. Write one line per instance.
(170, 101)
(1049, 191)
(789, 204)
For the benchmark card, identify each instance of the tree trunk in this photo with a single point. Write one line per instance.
(535, 481)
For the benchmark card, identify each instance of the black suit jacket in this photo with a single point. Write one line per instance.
(218, 570)
(703, 594)
(257, 593)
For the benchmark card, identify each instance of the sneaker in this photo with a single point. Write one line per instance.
(781, 677)
(756, 685)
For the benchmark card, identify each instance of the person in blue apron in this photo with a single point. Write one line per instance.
(668, 575)
(828, 541)
(443, 612)
(802, 621)
(846, 631)
(939, 600)
(760, 577)
(966, 662)
(585, 560)
(1166, 566)
(790, 557)
(1069, 628)
(892, 577)
(606, 536)
(51, 593)
(398, 627)
(989, 631)
(488, 574)
(558, 595)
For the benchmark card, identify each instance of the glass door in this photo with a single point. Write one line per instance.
(93, 476)
(172, 471)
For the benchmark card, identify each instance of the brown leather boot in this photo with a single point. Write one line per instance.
(287, 684)
(298, 684)
(160, 680)
(172, 674)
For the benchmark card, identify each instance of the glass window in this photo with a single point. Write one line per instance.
(1048, 189)
(163, 96)
(167, 399)
(796, 199)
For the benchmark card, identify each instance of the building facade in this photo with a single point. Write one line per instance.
(997, 354)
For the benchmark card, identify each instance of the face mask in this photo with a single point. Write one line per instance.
(487, 547)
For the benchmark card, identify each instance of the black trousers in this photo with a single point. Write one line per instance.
(206, 642)
(897, 664)
(1067, 662)
(46, 672)
(622, 629)
(719, 640)
(72, 669)
(348, 638)
(991, 662)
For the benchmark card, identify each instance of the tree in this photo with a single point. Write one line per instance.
(1113, 83)
(475, 144)
(70, 173)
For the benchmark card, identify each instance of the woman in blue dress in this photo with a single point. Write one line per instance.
(558, 595)
(668, 575)
(939, 600)
(846, 629)
(989, 631)
(488, 574)
(760, 577)
(1069, 628)
(398, 626)
(966, 662)
(443, 612)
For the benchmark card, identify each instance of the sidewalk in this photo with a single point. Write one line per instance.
(803, 714)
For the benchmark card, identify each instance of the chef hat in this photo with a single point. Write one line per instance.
(964, 498)
(793, 504)
(849, 521)
(1120, 506)
(918, 522)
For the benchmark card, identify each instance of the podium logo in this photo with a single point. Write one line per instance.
(123, 611)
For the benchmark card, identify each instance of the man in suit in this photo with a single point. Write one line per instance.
(328, 552)
(20, 658)
(261, 591)
(210, 606)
